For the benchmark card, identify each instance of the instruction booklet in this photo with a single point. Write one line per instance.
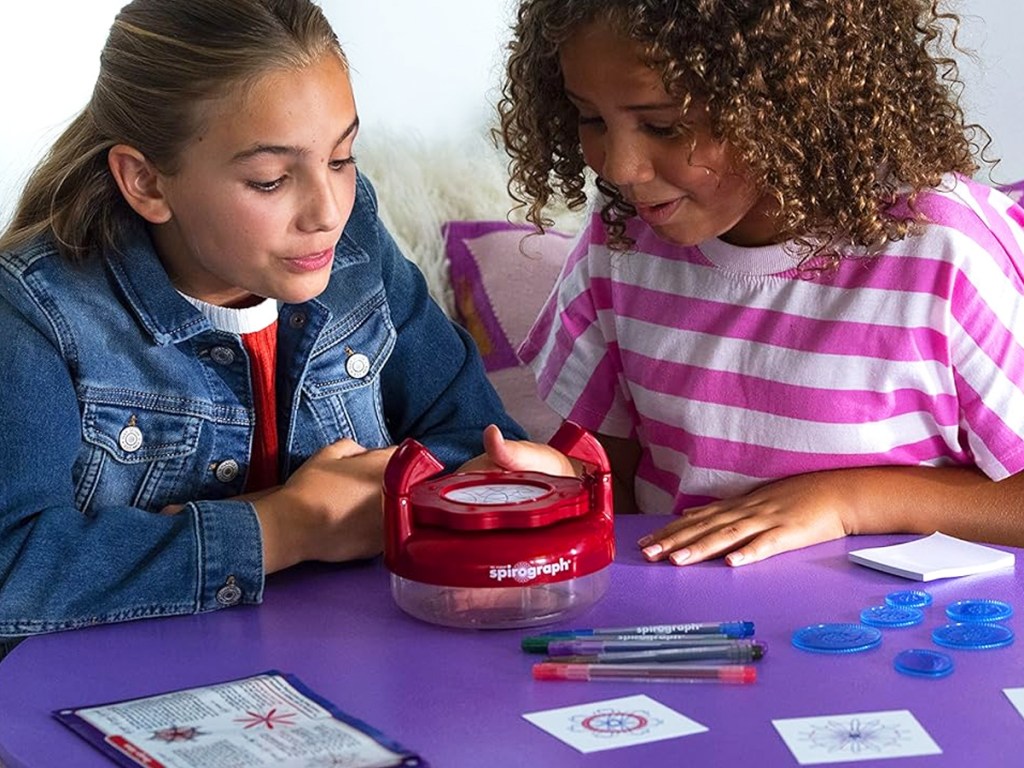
(270, 719)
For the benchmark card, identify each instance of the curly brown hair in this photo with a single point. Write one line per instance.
(831, 107)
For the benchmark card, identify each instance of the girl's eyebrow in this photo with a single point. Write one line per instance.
(652, 107)
(284, 149)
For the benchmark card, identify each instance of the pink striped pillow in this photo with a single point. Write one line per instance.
(501, 274)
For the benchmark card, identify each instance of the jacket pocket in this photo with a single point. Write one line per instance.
(136, 456)
(343, 379)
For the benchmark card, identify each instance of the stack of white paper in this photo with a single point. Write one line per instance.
(934, 557)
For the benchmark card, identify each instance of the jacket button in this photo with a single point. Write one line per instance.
(222, 355)
(230, 593)
(226, 470)
(130, 439)
(357, 365)
(297, 320)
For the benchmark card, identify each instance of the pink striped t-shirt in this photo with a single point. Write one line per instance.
(732, 368)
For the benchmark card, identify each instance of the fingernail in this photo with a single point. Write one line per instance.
(680, 556)
(652, 551)
(644, 541)
(735, 558)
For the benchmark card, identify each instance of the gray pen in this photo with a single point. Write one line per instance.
(741, 651)
(587, 646)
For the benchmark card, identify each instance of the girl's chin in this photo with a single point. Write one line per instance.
(678, 236)
(305, 290)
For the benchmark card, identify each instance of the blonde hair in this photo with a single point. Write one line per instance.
(162, 60)
(831, 108)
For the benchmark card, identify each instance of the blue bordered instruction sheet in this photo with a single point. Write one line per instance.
(270, 719)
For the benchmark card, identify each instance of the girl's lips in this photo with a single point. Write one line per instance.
(311, 263)
(656, 215)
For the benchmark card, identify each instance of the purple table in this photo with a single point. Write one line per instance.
(457, 696)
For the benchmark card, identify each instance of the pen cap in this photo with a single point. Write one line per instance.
(738, 628)
(553, 671)
(738, 674)
(536, 643)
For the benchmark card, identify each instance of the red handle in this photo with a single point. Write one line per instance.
(409, 465)
(577, 443)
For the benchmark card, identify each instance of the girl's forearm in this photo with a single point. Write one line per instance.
(281, 532)
(958, 501)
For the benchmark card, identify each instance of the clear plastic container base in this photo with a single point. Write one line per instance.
(499, 607)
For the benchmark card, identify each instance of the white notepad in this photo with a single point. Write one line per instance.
(934, 557)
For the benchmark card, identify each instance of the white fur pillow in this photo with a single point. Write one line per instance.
(423, 185)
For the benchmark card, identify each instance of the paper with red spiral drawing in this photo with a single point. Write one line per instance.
(614, 723)
(855, 737)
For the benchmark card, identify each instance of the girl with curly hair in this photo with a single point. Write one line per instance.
(791, 314)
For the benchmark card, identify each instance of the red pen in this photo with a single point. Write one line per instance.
(676, 673)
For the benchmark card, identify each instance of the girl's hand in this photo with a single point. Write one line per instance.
(787, 514)
(518, 456)
(330, 509)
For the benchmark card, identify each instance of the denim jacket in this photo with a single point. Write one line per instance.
(119, 398)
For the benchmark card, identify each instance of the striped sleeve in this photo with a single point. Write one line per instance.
(572, 348)
(986, 333)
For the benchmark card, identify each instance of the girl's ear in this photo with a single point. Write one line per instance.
(139, 182)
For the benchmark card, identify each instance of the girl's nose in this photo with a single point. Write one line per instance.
(321, 211)
(625, 162)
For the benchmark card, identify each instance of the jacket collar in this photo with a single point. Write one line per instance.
(158, 307)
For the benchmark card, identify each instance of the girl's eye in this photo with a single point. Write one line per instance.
(266, 186)
(339, 165)
(589, 122)
(662, 130)
(273, 186)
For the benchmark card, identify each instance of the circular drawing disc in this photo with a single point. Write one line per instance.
(977, 636)
(919, 662)
(891, 616)
(979, 610)
(909, 598)
(495, 493)
(837, 638)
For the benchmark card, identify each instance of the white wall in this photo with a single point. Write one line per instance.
(429, 68)
(994, 96)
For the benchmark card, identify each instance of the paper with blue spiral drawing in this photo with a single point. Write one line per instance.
(614, 723)
(855, 737)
